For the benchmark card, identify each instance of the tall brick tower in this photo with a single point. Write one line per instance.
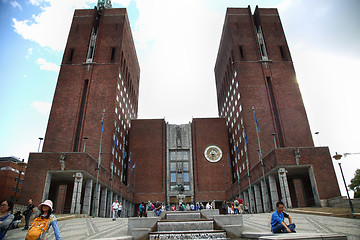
(259, 96)
(95, 99)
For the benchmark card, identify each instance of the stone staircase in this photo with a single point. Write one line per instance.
(204, 224)
(186, 225)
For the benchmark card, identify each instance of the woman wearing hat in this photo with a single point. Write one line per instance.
(40, 226)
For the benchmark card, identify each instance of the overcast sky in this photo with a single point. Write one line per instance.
(177, 44)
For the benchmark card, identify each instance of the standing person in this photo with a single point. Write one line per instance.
(27, 213)
(224, 207)
(157, 209)
(213, 204)
(142, 209)
(40, 226)
(208, 206)
(114, 208)
(119, 210)
(236, 207)
(278, 225)
(6, 217)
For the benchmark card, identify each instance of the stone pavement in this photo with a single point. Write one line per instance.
(102, 228)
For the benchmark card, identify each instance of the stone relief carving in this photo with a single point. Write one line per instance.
(62, 161)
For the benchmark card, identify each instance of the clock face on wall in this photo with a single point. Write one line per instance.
(213, 153)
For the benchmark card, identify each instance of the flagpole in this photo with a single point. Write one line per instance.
(99, 164)
(122, 176)
(112, 172)
(224, 177)
(237, 172)
(248, 171)
(134, 179)
(261, 160)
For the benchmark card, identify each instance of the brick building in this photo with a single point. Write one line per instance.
(96, 150)
(271, 144)
(10, 170)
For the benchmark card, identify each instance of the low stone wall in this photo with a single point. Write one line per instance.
(343, 202)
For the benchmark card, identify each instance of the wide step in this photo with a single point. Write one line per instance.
(183, 215)
(200, 235)
(189, 225)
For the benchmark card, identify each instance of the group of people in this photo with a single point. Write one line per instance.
(236, 206)
(39, 227)
(116, 209)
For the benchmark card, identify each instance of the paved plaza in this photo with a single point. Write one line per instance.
(102, 228)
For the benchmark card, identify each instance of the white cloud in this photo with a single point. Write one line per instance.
(57, 14)
(41, 107)
(48, 66)
(29, 52)
(15, 4)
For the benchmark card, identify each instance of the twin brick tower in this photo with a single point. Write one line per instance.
(96, 150)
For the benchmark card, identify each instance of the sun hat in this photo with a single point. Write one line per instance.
(48, 203)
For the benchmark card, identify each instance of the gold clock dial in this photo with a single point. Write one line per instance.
(213, 153)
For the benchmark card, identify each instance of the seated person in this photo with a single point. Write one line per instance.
(157, 209)
(278, 224)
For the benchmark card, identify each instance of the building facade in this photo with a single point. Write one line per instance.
(12, 172)
(96, 150)
(86, 142)
(272, 152)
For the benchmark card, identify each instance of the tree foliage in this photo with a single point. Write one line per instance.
(355, 184)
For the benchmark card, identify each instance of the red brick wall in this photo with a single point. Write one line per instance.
(147, 141)
(8, 182)
(209, 177)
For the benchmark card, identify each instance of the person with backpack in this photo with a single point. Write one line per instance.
(40, 226)
(6, 217)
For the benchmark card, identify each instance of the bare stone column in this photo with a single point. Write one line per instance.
(285, 193)
(251, 200)
(46, 187)
(103, 202)
(314, 187)
(109, 204)
(97, 202)
(265, 195)
(87, 196)
(259, 208)
(273, 191)
(76, 197)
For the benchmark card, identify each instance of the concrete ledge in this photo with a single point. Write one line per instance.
(233, 231)
(152, 214)
(117, 238)
(284, 236)
(139, 228)
(210, 213)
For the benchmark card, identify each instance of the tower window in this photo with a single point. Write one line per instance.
(242, 56)
(112, 58)
(71, 56)
(283, 55)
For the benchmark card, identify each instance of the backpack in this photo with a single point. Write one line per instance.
(39, 226)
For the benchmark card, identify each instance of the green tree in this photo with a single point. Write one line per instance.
(355, 184)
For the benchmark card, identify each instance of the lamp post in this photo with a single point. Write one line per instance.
(21, 165)
(338, 157)
(40, 138)
(85, 138)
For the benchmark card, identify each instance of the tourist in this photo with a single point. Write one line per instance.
(246, 209)
(187, 208)
(157, 209)
(6, 217)
(119, 209)
(224, 207)
(167, 207)
(208, 206)
(17, 219)
(192, 206)
(213, 204)
(41, 225)
(197, 206)
(28, 212)
(114, 208)
(237, 208)
(201, 206)
(173, 208)
(278, 224)
(141, 209)
(150, 207)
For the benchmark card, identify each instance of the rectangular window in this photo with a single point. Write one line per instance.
(173, 177)
(242, 56)
(71, 56)
(186, 177)
(283, 56)
(112, 57)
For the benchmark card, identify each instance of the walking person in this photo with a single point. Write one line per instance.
(39, 228)
(27, 213)
(119, 210)
(114, 208)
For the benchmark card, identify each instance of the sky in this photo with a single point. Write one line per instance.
(177, 44)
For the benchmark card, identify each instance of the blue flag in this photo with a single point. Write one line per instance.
(130, 158)
(236, 148)
(246, 140)
(257, 123)
(115, 141)
(228, 161)
(124, 153)
(133, 167)
(102, 124)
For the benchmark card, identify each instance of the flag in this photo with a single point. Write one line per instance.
(228, 161)
(124, 153)
(256, 121)
(133, 167)
(102, 123)
(130, 158)
(246, 140)
(236, 148)
(115, 141)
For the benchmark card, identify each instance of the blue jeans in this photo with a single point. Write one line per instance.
(157, 212)
(279, 228)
